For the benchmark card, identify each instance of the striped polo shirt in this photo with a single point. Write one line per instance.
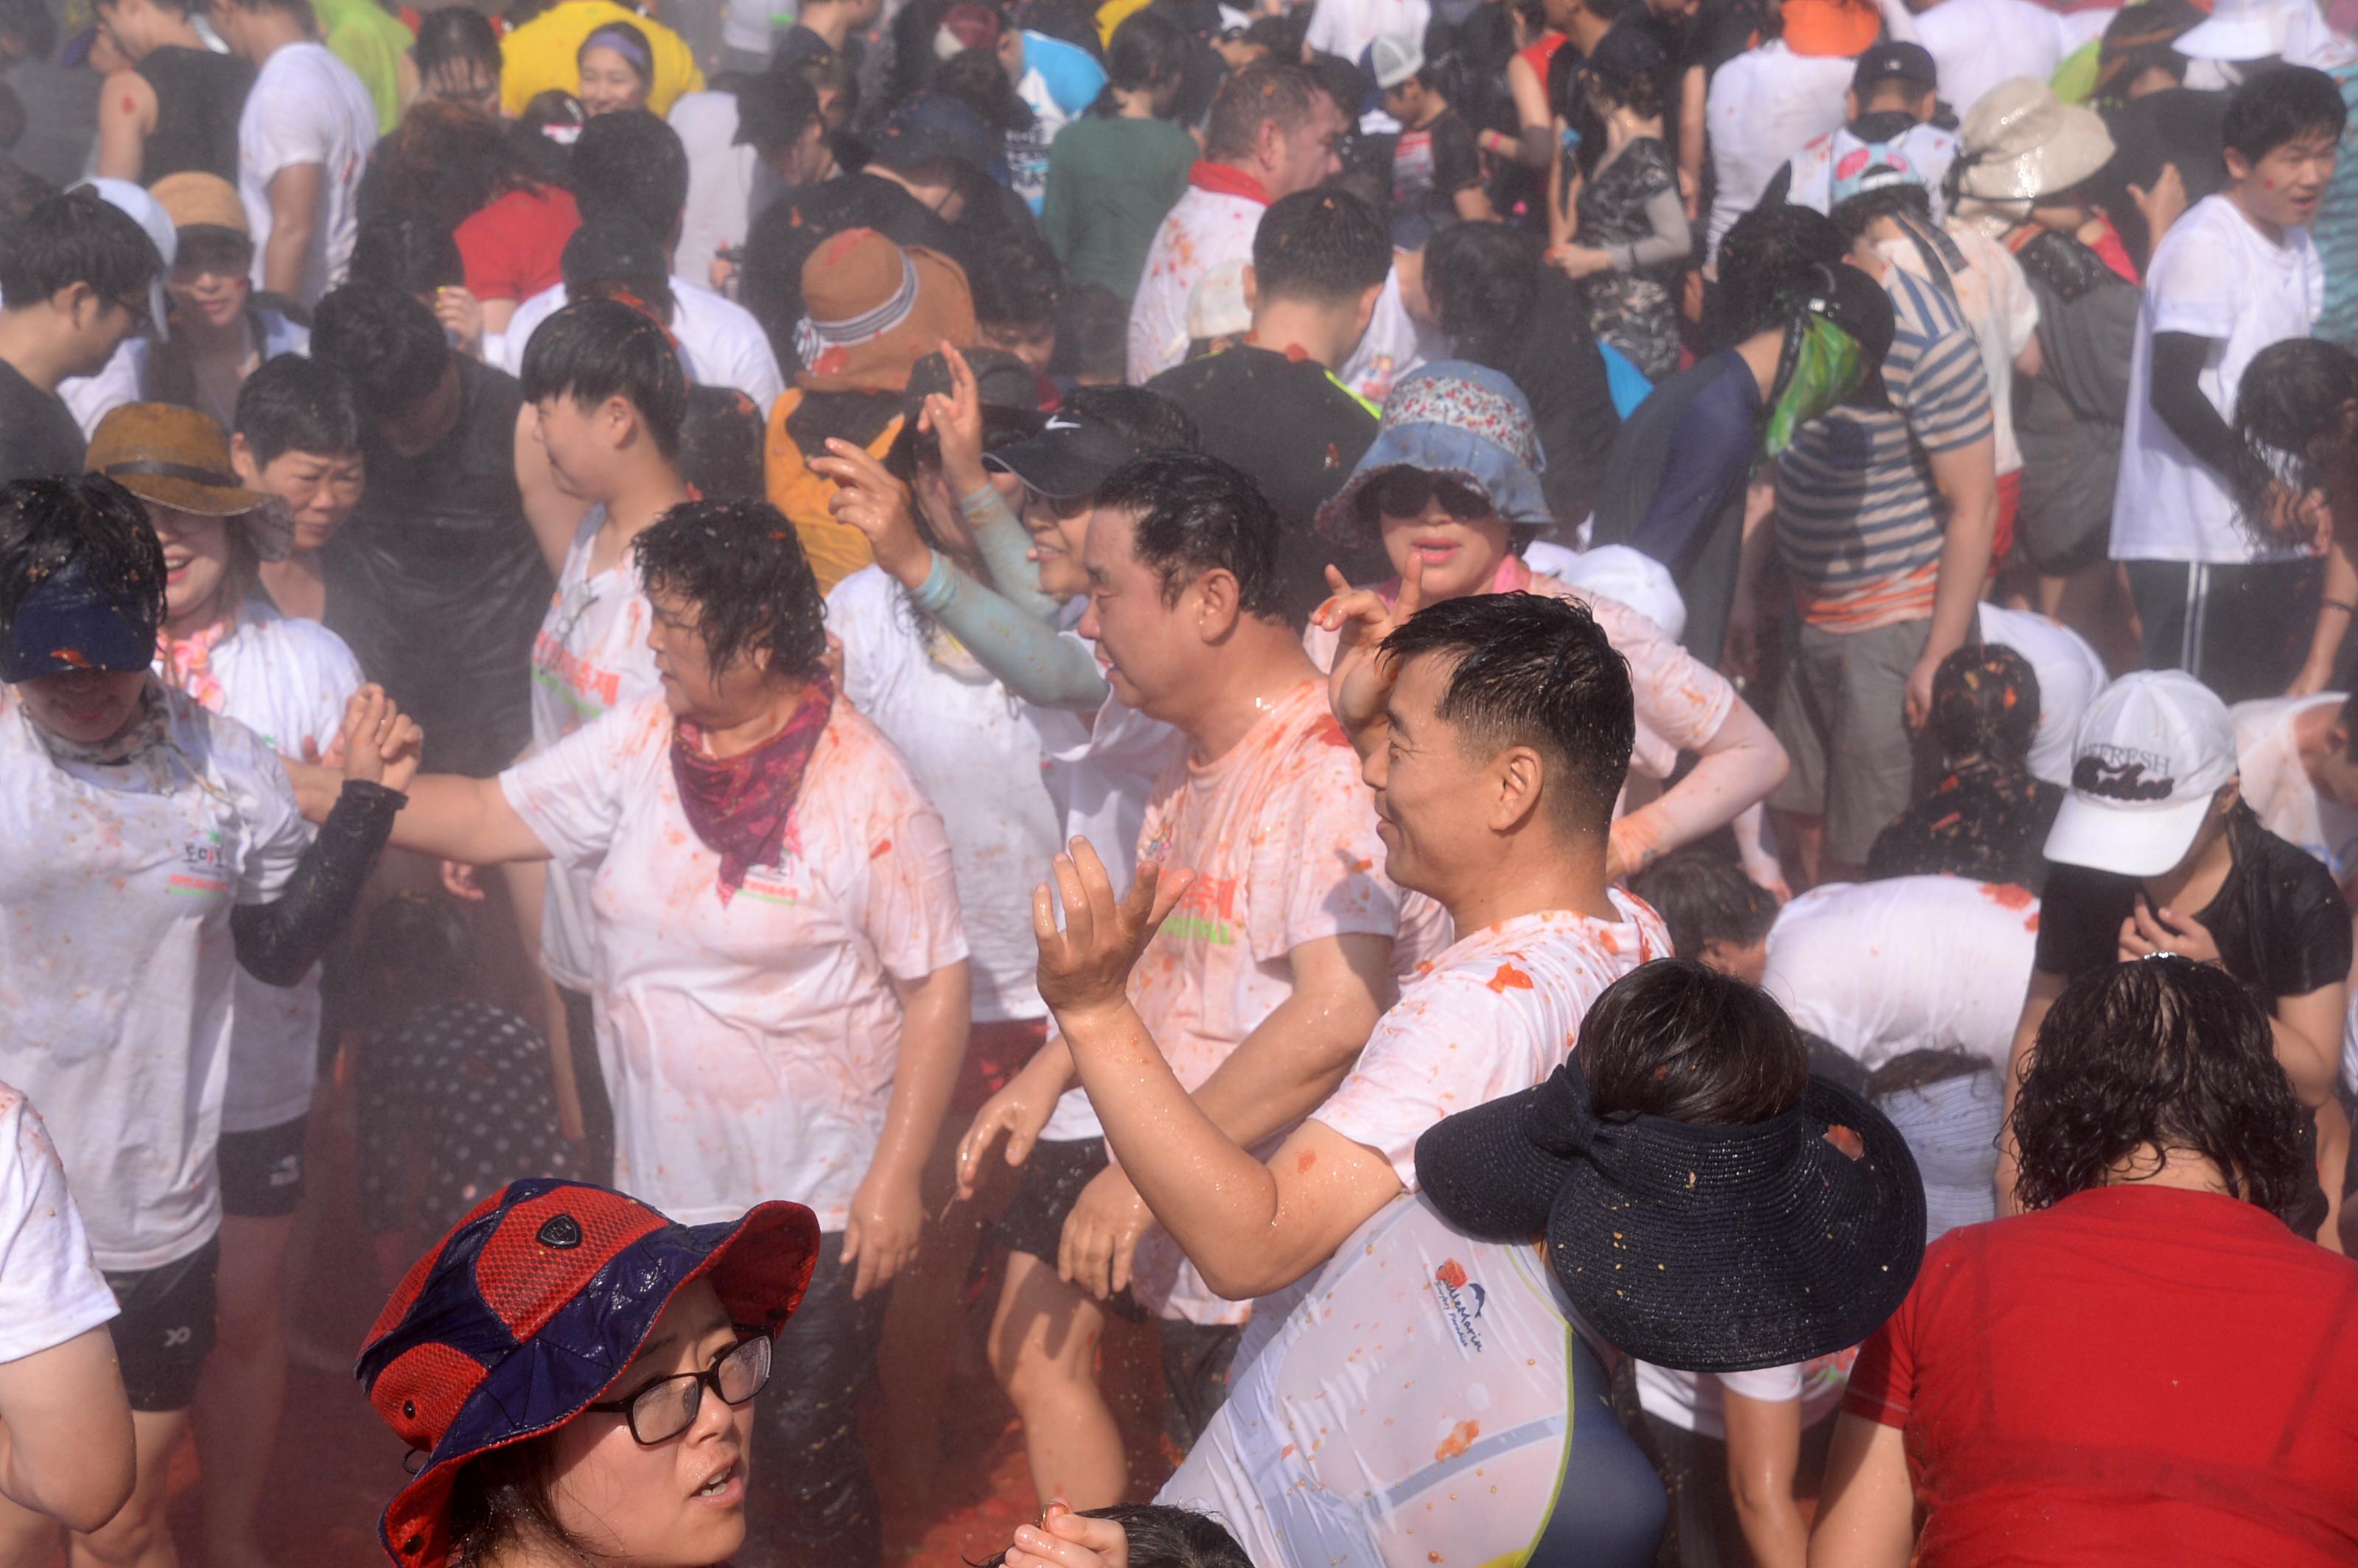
(1859, 523)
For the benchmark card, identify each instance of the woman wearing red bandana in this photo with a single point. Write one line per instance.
(781, 988)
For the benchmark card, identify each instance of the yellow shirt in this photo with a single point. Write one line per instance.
(1113, 14)
(544, 53)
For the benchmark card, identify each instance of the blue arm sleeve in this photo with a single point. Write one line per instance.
(1024, 651)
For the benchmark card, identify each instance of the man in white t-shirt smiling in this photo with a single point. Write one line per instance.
(302, 145)
(1496, 732)
(2216, 548)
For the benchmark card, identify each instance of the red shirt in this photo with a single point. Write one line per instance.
(2136, 1375)
(511, 248)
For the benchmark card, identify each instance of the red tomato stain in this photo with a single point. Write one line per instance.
(883, 847)
(1461, 1438)
(1451, 1273)
(1309, 1158)
(2007, 895)
(127, 104)
(1846, 1139)
(1509, 978)
(1326, 730)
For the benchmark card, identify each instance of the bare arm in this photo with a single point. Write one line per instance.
(1764, 1451)
(2336, 606)
(887, 1212)
(1740, 653)
(1734, 770)
(294, 218)
(1694, 90)
(1535, 147)
(1472, 205)
(1867, 1515)
(65, 1431)
(127, 113)
(2035, 1003)
(2308, 1031)
(1967, 477)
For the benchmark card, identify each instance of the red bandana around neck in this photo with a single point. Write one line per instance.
(1227, 179)
(738, 806)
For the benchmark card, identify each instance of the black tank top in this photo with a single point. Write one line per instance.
(199, 96)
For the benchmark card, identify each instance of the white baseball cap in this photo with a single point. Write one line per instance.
(2152, 749)
(148, 213)
(1394, 58)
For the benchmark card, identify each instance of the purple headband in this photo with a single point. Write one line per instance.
(625, 40)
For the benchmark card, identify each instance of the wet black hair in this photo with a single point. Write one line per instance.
(2280, 105)
(453, 35)
(1922, 1067)
(404, 249)
(1484, 280)
(293, 403)
(2161, 1053)
(1153, 422)
(1016, 283)
(742, 570)
(450, 161)
(2294, 395)
(1327, 247)
(721, 444)
(1985, 704)
(1626, 66)
(596, 349)
(1764, 253)
(1530, 670)
(629, 164)
(388, 346)
(976, 79)
(1161, 1536)
(1679, 1040)
(48, 524)
(1153, 52)
(1704, 898)
(1196, 514)
(78, 237)
(1264, 91)
(616, 256)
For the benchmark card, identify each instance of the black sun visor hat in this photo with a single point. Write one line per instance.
(1072, 456)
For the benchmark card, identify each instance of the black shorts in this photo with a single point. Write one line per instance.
(1051, 1184)
(262, 1170)
(165, 1328)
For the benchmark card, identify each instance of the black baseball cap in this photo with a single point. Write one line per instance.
(1072, 456)
(1856, 303)
(1004, 385)
(1910, 62)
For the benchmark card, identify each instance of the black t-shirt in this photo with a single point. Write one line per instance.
(1286, 423)
(2281, 923)
(1430, 165)
(438, 584)
(38, 437)
(198, 97)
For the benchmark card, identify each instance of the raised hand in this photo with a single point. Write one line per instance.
(955, 420)
(869, 498)
(381, 744)
(1085, 967)
(1360, 684)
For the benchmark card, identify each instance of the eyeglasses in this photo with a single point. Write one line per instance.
(1403, 492)
(666, 1407)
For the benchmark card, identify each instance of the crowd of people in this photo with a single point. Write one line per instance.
(1597, 758)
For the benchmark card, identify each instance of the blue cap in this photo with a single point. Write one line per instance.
(65, 623)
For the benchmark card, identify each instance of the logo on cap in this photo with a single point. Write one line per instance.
(559, 1232)
(2119, 772)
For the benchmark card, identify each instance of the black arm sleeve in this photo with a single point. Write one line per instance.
(278, 942)
(2178, 359)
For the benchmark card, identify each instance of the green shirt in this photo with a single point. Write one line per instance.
(1110, 183)
(371, 41)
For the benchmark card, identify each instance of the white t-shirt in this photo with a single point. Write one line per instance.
(1207, 227)
(1696, 1402)
(1493, 1016)
(50, 1289)
(2070, 675)
(722, 175)
(1976, 44)
(115, 965)
(1100, 784)
(1998, 304)
(1764, 105)
(2277, 788)
(2216, 276)
(1346, 27)
(977, 753)
(1281, 835)
(719, 342)
(1885, 967)
(1392, 346)
(307, 106)
(590, 655)
(1411, 1402)
(748, 1042)
(1927, 148)
(288, 681)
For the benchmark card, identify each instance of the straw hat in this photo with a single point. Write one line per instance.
(2021, 144)
(872, 310)
(195, 199)
(177, 457)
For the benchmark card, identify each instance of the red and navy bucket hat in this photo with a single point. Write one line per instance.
(532, 1308)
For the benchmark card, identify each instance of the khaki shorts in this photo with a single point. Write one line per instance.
(1842, 716)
